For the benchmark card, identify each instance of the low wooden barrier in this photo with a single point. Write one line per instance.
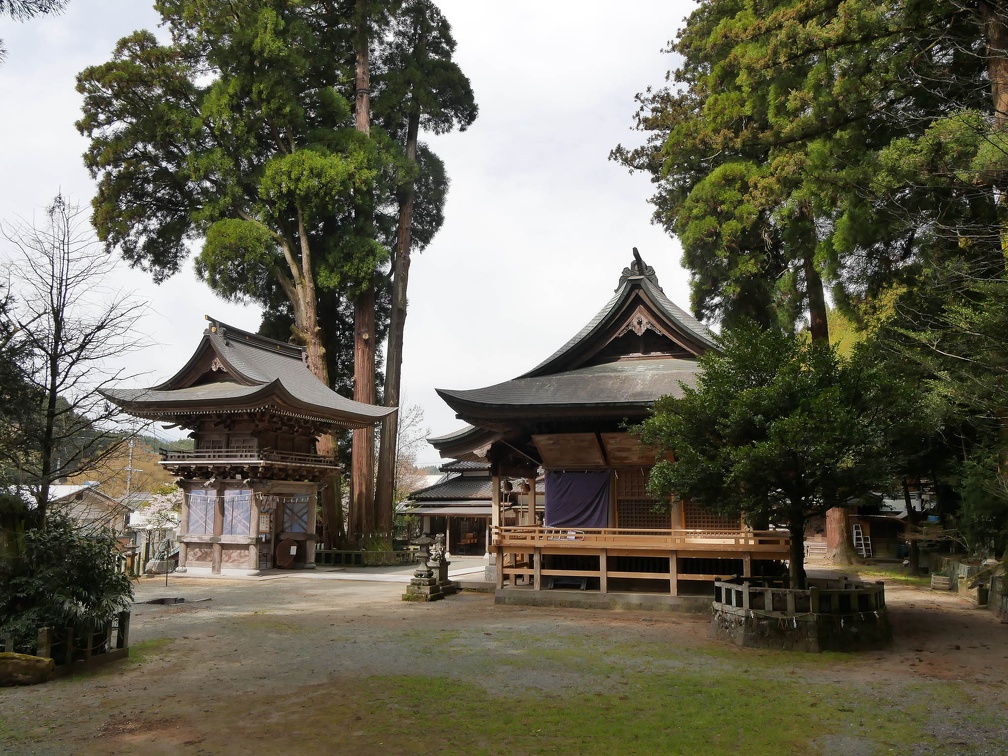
(838, 615)
(358, 558)
(776, 541)
(81, 647)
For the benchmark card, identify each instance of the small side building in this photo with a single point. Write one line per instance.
(251, 483)
(460, 506)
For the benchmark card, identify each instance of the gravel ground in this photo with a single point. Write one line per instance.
(232, 645)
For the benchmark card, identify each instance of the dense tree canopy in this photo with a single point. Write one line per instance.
(249, 138)
(803, 139)
(239, 133)
(862, 144)
(777, 429)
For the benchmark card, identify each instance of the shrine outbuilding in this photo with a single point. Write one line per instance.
(251, 482)
(567, 419)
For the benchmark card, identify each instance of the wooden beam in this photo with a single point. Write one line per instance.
(603, 571)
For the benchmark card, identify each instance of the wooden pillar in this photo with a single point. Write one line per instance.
(495, 504)
(254, 513)
(43, 645)
(747, 564)
(218, 529)
(673, 573)
(532, 500)
(499, 559)
(447, 537)
(537, 574)
(311, 543)
(122, 634)
(183, 549)
(486, 554)
(604, 571)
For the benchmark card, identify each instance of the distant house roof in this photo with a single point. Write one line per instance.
(236, 371)
(460, 494)
(460, 488)
(464, 465)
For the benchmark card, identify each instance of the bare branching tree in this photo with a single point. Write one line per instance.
(411, 435)
(76, 324)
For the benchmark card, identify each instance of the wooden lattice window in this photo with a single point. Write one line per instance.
(296, 514)
(635, 508)
(698, 518)
(237, 511)
(201, 511)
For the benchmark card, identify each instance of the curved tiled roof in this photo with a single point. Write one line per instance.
(612, 383)
(255, 372)
(630, 281)
(580, 376)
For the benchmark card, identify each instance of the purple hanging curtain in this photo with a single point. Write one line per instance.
(577, 499)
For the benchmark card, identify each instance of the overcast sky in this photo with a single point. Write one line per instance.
(538, 224)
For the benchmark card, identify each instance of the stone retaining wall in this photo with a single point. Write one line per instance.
(838, 615)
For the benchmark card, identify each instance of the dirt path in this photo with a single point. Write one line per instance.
(203, 674)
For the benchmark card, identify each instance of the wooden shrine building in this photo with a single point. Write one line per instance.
(251, 483)
(567, 417)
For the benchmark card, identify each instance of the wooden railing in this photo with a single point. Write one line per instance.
(516, 537)
(832, 597)
(203, 456)
(80, 647)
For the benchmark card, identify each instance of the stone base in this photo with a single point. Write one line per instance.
(449, 587)
(856, 632)
(416, 592)
(159, 566)
(24, 669)
(490, 573)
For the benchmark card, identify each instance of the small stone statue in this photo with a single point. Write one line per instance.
(437, 550)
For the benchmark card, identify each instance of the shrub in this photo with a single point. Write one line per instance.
(63, 577)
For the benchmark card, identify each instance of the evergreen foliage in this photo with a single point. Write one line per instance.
(777, 429)
(63, 577)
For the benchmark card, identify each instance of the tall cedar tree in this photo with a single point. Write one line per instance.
(767, 149)
(243, 133)
(777, 429)
(417, 86)
(838, 140)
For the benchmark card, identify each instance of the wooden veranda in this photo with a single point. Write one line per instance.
(640, 560)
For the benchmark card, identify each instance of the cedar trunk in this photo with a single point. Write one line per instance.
(362, 514)
(818, 324)
(997, 59)
(839, 540)
(362, 511)
(387, 452)
(796, 568)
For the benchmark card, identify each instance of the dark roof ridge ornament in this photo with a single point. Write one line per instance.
(227, 333)
(639, 269)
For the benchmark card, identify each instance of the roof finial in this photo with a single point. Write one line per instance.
(639, 269)
(640, 263)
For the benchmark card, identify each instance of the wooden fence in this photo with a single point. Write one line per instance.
(81, 647)
(238, 454)
(359, 558)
